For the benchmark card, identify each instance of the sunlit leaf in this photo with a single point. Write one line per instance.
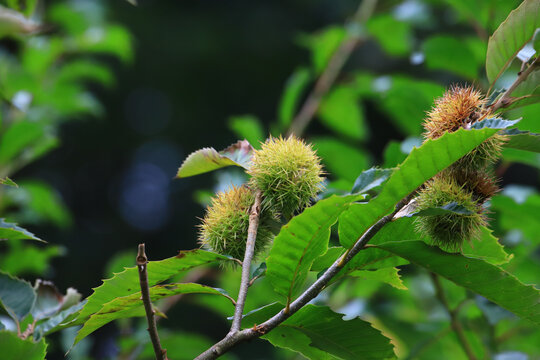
(510, 37)
(14, 347)
(132, 305)
(127, 282)
(300, 242)
(7, 181)
(323, 44)
(421, 165)
(10, 231)
(476, 275)
(388, 275)
(208, 159)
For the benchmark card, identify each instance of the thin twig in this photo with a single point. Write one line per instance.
(506, 100)
(142, 260)
(454, 320)
(232, 339)
(332, 70)
(246, 264)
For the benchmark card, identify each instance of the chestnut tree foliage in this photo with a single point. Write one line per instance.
(322, 249)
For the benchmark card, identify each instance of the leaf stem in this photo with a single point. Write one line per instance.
(246, 264)
(142, 261)
(232, 339)
(454, 321)
(506, 100)
(332, 70)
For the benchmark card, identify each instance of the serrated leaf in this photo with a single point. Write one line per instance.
(319, 333)
(300, 242)
(450, 208)
(388, 275)
(209, 159)
(485, 279)
(294, 88)
(371, 180)
(522, 140)
(510, 37)
(494, 123)
(341, 112)
(127, 282)
(16, 296)
(15, 348)
(487, 248)
(247, 127)
(57, 321)
(9, 231)
(421, 165)
(7, 181)
(132, 305)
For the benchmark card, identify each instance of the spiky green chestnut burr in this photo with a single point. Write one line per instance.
(224, 228)
(449, 231)
(288, 172)
(461, 107)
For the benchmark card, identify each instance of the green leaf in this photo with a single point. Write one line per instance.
(249, 128)
(9, 231)
(319, 333)
(476, 275)
(341, 111)
(421, 165)
(7, 181)
(371, 180)
(522, 216)
(58, 321)
(341, 159)
(528, 91)
(522, 157)
(180, 346)
(84, 70)
(394, 36)
(494, 123)
(449, 53)
(487, 248)
(388, 275)
(127, 282)
(39, 202)
(25, 259)
(523, 140)
(15, 348)
(208, 159)
(300, 242)
(16, 296)
(450, 208)
(132, 305)
(511, 36)
(294, 88)
(17, 137)
(323, 44)
(407, 100)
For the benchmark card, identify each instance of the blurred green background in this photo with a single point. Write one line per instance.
(166, 78)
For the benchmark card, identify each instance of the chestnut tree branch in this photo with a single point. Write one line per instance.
(506, 100)
(454, 321)
(142, 261)
(332, 70)
(309, 294)
(246, 264)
